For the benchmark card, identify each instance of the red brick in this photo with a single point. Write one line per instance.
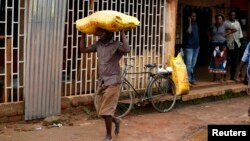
(15, 118)
(64, 106)
(3, 119)
(75, 102)
(65, 103)
(85, 99)
(11, 109)
(20, 111)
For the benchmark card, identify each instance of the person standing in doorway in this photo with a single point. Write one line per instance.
(109, 52)
(218, 47)
(233, 44)
(191, 46)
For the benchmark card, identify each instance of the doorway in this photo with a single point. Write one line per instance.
(204, 21)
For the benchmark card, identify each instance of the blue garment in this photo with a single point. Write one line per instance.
(190, 58)
(245, 57)
(192, 40)
(191, 50)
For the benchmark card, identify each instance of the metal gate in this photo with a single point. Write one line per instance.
(12, 36)
(146, 42)
(44, 57)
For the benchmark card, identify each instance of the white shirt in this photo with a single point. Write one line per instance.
(236, 35)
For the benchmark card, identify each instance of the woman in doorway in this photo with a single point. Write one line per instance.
(218, 48)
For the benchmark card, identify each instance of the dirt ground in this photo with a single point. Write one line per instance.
(183, 123)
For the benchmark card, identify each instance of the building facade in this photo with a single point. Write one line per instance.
(39, 58)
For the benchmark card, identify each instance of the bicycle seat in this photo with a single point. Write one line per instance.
(150, 66)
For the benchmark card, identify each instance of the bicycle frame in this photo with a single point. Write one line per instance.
(151, 76)
(144, 96)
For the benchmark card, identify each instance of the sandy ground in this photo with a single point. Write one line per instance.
(182, 123)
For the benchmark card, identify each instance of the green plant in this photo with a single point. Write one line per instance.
(87, 110)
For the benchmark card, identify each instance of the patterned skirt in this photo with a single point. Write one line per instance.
(218, 60)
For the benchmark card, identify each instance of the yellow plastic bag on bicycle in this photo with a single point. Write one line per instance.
(179, 75)
(112, 21)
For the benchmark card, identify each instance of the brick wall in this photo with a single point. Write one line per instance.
(12, 112)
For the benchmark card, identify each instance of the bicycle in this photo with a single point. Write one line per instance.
(160, 91)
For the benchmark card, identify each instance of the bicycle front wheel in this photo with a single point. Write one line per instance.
(125, 101)
(162, 93)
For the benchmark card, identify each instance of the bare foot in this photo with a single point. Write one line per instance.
(107, 139)
(117, 126)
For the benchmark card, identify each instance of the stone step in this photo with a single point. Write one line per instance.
(217, 90)
(208, 84)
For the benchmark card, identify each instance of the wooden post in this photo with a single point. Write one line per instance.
(170, 32)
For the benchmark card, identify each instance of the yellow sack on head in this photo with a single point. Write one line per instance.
(112, 21)
(179, 75)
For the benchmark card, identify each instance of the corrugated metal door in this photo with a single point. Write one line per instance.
(44, 42)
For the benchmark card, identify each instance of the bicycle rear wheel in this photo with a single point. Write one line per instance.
(162, 93)
(125, 101)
